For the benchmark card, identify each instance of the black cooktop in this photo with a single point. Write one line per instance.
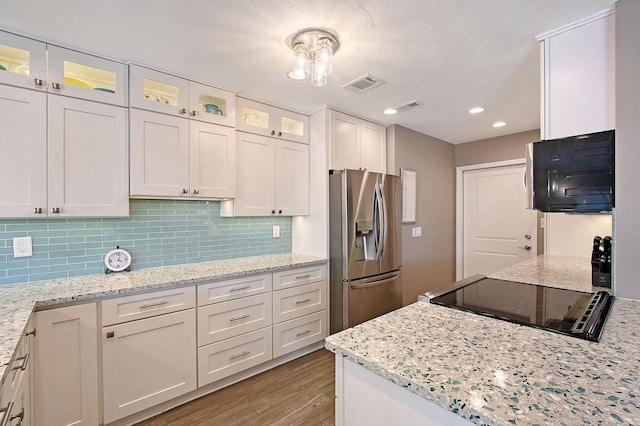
(573, 313)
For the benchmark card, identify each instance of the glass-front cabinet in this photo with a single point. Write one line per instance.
(168, 94)
(79, 75)
(262, 119)
(22, 61)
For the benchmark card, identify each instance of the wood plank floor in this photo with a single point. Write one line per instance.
(300, 392)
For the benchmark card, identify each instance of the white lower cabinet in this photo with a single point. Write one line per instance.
(147, 362)
(66, 366)
(292, 335)
(16, 401)
(230, 356)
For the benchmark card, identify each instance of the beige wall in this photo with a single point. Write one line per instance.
(509, 147)
(428, 262)
(626, 243)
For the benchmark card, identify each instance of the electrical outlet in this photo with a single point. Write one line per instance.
(416, 232)
(22, 247)
(276, 231)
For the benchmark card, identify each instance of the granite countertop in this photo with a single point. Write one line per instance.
(494, 372)
(17, 301)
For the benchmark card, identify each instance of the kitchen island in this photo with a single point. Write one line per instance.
(430, 361)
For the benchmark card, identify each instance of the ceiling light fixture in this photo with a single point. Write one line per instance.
(313, 49)
(390, 111)
(499, 124)
(476, 110)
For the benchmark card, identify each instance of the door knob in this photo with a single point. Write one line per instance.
(527, 247)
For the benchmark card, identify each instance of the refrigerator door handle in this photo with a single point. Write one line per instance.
(384, 221)
(379, 217)
(374, 283)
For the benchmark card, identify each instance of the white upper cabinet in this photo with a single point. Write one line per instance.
(85, 76)
(579, 78)
(23, 62)
(262, 119)
(356, 144)
(169, 94)
(176, 158)
(87, 159)
(272, 178)
(23, 120)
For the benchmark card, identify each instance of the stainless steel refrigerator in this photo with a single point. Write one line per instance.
(365, 246)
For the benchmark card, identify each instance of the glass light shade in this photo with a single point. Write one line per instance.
(318, 75)
(300, 64)
(324, 54)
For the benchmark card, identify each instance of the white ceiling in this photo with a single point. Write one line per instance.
(449, 55)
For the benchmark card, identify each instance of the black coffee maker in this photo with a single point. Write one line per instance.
(601, 262)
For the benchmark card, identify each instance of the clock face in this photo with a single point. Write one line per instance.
(117, 260)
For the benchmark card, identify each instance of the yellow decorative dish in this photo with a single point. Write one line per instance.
(72, 81)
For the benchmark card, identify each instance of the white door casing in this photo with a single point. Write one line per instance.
(494, 228)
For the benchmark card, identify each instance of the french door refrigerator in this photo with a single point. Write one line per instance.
(365, 246)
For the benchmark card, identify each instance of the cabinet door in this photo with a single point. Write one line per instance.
(255, 176)
(156, 91)
(345, 141)
(212, 165)
(255, 117)
(373, 147)
(87, 151)
(66, 366)
(147, 362)
(85, 76)
(24, 62)
(292, 178)
(580, 67)
(23, 163)
(292, 126)
(213, 105)
(159, 155)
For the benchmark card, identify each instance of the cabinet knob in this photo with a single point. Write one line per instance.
(194, 113)
(279, 211)
(273, 132)
(55, 210)
(273, 212)
(185, 191)
(55, 85)
(279, 133)
(196, 191)
(183, 111)
(37, 82)
(37, 210)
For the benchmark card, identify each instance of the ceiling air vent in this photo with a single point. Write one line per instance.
(363, 84)
(408, 106)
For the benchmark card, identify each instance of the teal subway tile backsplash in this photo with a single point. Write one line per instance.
(157, 233)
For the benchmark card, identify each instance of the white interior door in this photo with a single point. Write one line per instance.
(498, 231)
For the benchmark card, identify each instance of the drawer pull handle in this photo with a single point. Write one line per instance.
(300, 302)
(233, 290)
(20, 416)
(5, 413)
(23, 364)
(303, 333)
(302, 277)
(245, 353)
(240, 318)
(111, 334)
(153, 305)
(31, 333)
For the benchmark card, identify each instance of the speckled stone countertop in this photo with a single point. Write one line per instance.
(494, 372)
(17, 301)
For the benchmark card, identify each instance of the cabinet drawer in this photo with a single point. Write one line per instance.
(220, 291)
(298, 301)
(295, 277)
(222, 359)
(228, 319)
(129, 308)
(298, 333)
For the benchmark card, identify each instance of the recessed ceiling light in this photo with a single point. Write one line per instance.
(499, 124)
(476, 110)
(390, 111)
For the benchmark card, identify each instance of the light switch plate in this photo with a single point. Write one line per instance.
(416, 232)
(22, 247)
(276, 231)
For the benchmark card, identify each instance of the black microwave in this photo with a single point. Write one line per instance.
(573, 174)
